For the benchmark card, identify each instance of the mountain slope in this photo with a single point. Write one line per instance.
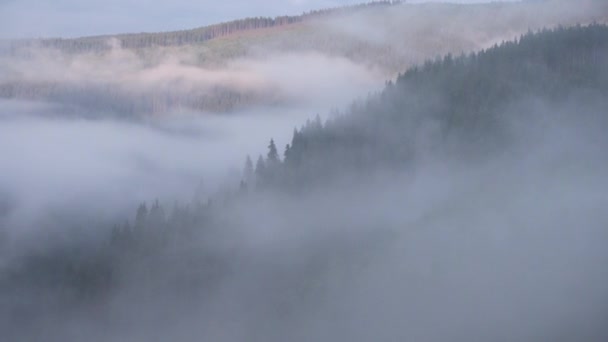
(490, 201)
(464, 108)
(144, 74)
(518, 237)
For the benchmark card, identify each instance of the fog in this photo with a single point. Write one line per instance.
(323, 63)
(122, 163)
(446, 246)
(169, 81)
(129, 156)
(513, 246)
(132, 156)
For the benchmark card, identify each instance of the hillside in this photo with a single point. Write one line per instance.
(193, 36)
(202, 69)
(466, 108)
(477, 180)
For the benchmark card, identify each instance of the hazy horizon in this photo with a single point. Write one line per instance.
(73, 18)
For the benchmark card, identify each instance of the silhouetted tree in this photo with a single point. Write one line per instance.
(156, 216)
(286, 153)
(141, 216)
(273, 155)
(248, 171)
(260, 171)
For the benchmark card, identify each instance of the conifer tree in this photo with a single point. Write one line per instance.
(260, 171)
(248, 170)
(141, 216)
(273, 154)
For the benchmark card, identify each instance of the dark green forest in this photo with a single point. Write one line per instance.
(471, 101)
(470, 108)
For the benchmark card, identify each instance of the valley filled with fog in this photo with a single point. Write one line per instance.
(379, 172)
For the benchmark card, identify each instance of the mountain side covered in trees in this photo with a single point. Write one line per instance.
(470, 107)
(466, 106)
(379, 39)
(193, 36)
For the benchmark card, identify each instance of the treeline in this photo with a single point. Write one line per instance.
(122, 102)
(453, 107)
(184, 37)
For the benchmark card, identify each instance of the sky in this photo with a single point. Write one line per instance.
(73, 18)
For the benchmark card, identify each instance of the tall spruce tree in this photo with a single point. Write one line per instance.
(248, 170)
(273, 154)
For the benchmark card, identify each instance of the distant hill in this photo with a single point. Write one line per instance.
(375, 30)
(203, 69)
(196, 35)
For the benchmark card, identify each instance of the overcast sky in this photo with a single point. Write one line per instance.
(69, 18)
